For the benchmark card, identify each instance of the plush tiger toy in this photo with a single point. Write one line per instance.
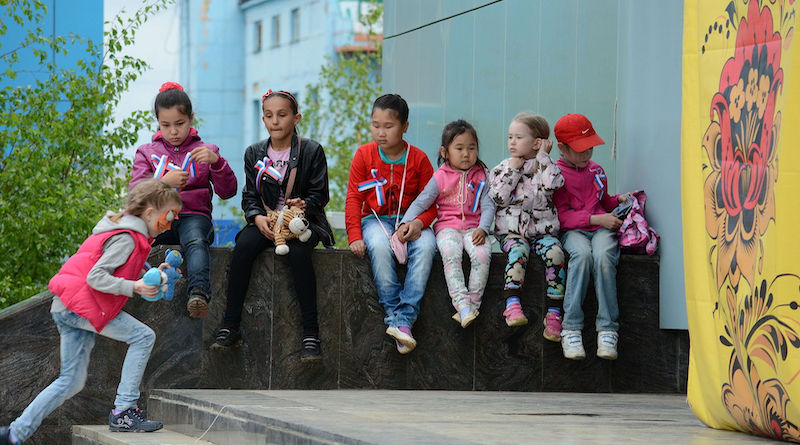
(289, 223)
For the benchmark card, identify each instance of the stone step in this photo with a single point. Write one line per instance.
(234, 417)
(100, 435)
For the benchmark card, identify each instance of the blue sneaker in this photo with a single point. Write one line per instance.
(5, 432)
(132, 420)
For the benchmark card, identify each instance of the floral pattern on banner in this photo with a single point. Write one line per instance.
(741, 146)
(741, 143)
(761, 334)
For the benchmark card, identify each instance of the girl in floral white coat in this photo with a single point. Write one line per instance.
(522, 189)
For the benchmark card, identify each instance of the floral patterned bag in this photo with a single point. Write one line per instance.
(635, 235)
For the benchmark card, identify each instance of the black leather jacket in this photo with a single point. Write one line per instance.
(310, 184)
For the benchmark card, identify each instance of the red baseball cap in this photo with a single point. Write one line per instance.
(577, 132)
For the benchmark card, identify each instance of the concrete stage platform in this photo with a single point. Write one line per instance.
(227, 417)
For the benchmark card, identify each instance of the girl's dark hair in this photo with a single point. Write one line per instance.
(392, 102)
(284, 94)
(454, 129)
(173, 97)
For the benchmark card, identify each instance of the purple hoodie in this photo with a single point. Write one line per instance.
(198, 191)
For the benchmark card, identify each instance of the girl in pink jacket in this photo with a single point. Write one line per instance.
(178, 157)
(522, 188)
(464, 216)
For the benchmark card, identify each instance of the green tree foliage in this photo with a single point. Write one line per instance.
(337, 109)
(61, 167)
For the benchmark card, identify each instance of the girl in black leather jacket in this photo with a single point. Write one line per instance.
(266, 189)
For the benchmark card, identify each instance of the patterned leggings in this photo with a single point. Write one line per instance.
(549, 249)
(452, 243)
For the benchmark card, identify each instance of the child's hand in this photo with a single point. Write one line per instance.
(204, 154)
(176, 178)
(546, 145)
(607, 220)
(262, 223)
(144, 290)
(163, 266)
(624, 197)
(478, 237)
(359, 248)
(516, 163)
(410, 231)
(297, 202)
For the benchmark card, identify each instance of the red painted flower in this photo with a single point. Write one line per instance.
(741, 145)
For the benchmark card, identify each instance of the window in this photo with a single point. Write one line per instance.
(276, 31)
(295, 25)
(257, 37)
(258, 124)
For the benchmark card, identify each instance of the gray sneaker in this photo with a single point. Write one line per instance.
(572, 344)
(198, 303)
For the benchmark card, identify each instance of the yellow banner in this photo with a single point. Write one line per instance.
(741, 214)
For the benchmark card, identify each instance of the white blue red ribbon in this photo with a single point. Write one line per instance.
(264, 167)
(478, 190)
(598, 184)
(189, 165)
(162, 165)
(377, 183)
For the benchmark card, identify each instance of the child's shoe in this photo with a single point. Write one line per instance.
(607, 345)
(198, 303)
(132, 420)
(403, 335)
(227, 337)
(514, 315)
(5, 436)
(467, 315)
(403, 349)
(552, 326)
(312, 348)
(572, 344)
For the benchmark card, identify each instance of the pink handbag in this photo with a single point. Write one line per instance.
(635, 235)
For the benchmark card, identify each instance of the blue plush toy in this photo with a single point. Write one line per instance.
(165, 279)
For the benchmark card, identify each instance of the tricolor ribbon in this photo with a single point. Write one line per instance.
(189, 165)
(377, 183)
(598, 184)
(478, 191)
(162, 165)
(263, 167)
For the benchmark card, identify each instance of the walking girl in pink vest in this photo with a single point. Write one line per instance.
(90, 291)
(464, 216)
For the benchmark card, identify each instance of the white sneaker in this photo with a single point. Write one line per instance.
(607, 345)
(572, 344)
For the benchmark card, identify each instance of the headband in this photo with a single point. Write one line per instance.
(170, 86)
(270, 93)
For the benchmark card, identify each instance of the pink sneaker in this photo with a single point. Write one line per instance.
(552, 327)
(514, 315)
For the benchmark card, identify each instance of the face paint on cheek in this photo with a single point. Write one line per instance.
(164, 221)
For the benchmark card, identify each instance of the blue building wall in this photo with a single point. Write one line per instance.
(485, 61)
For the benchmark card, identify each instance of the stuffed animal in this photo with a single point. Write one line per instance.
(165, 278)
(288, 224)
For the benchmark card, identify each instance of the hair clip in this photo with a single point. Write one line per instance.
(170, 86)
(264, 97)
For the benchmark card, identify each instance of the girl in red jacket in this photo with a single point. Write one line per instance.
(90, 290)
(385, 177)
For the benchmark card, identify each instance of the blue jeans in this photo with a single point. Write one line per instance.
(400, 301)
(77, 341)
(195, 233)
(594, 254)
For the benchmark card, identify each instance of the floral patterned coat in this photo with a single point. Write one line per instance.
(524, 197)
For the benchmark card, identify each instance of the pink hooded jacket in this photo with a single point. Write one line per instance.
(197, 193)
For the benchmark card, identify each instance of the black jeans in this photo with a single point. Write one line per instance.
(249, 244)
